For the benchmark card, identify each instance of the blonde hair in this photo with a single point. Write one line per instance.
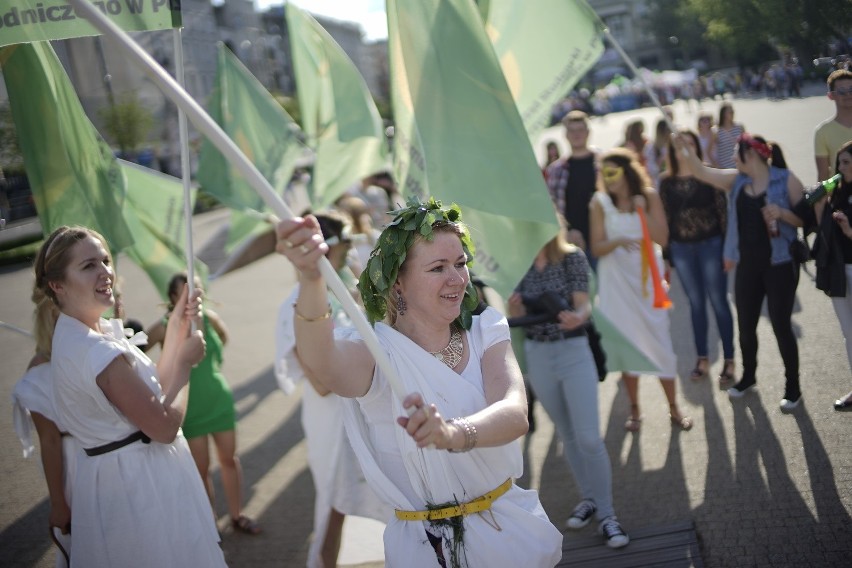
(50, 265)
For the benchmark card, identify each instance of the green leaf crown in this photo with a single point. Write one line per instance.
(397, 238)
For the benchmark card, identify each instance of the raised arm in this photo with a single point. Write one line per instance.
(218, 325)
(723, 179)
(159, 419)
(343, 367)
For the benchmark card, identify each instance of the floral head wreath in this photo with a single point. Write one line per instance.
(397, 238)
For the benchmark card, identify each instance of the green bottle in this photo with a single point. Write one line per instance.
(825, 187)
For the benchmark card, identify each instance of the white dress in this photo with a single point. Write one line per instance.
(142, 505)
(626, 299)
(34, 393)
(408, 478)
(338, 480)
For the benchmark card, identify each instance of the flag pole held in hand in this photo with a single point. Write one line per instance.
(232, 153)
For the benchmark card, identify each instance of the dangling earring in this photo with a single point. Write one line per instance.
(400, 304)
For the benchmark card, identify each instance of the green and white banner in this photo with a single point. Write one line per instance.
(339, 116)
(75, 178)
(459, 136)
(26, 21)
(264, 132)
(544, 47)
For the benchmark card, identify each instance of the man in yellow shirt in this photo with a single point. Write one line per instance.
(831, 134)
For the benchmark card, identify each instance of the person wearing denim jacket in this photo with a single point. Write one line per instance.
(761, 226)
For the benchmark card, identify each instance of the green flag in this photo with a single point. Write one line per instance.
(75, 178)
(339, 116)
(25, 21)
(258, 125)
(459, 137)
(544, 48)
(154, 212)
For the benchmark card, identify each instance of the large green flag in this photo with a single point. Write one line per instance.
(459, 137)
(339, 116)
(258, 125)
(72, 172)
(25, 21)
(544, 48)
(262, 130)
(154, 212)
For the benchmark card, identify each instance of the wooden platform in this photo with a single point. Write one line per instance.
(672, 545)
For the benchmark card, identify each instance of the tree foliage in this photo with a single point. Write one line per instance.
(127, 123)
(753, 30)
(11, 159)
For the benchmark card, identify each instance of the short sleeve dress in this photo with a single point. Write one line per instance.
(140, 505)
(210, 407)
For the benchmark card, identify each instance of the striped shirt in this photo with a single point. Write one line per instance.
(726, 141)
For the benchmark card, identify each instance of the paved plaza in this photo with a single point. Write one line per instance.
(761, 487)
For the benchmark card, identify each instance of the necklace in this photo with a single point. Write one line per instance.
(452, 353)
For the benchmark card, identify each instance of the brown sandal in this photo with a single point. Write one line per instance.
(728, 371)
(245, 525)
(701, 369)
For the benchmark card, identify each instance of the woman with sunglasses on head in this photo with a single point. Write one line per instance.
(761, 226)
(833, 252)
(696, 216)
(624, 294)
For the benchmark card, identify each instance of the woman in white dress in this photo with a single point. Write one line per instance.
(138, 499)
(449, 480)
(625, 293)
(340, 486)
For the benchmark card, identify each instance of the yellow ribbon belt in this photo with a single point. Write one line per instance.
(476, 506)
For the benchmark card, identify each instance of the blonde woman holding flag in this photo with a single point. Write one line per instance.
(138, 498)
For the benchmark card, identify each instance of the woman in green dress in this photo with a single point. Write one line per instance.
(210, 411)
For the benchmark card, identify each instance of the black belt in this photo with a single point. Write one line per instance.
(559, 336)
(112, 446)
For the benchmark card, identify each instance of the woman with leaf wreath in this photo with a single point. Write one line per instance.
(444, 457)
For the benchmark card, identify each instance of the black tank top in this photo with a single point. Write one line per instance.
(754, 237)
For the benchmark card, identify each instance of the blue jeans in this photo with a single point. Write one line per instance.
(699, 267)
(565, 380)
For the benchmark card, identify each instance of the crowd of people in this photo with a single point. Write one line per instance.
(418, 427)
(775, 81)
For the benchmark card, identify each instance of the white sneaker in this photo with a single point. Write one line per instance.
(787, 405)
(611, 530)
(739, 390)
(581, 515)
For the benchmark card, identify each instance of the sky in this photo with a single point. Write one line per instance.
(369, 14)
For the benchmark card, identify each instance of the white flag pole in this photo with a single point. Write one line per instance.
(16, 329)
(635, 71)
(232, 153)
(186, 172)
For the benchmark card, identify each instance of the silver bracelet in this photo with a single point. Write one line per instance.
(470, 435)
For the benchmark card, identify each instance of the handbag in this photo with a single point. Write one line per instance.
(800, 252)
